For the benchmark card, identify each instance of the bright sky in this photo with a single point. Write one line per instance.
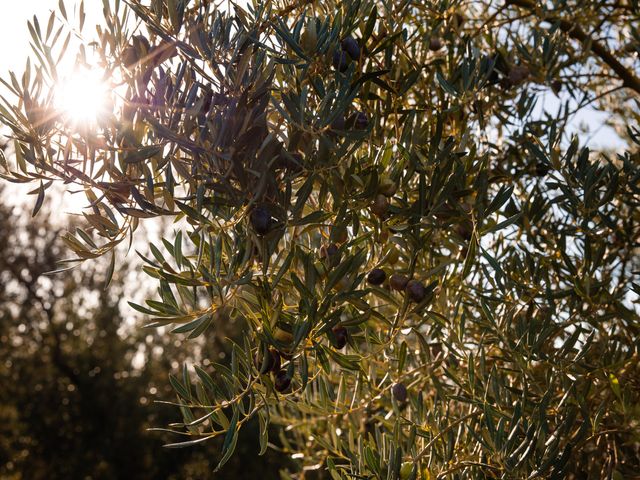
(14, 36)
(15, 39)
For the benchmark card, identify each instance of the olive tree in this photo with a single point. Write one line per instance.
(435, 277)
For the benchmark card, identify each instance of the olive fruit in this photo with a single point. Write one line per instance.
(283, 336)
(406, 470)
(341, 336)
(339, 123)
(399, 392)
(271, 365)
(282, 381)
(415, 291)
(393, 256)
(398, 282)
(350, 45)
(309, 38)
(358, 120)
(387, 187)
(277, 362)
(380, 205)
(556, 86)
(465, 229)
(340, 60)
(261, 220)
(499, 67)
(435, 44)
(542, 169)
(376, 276)
(331, 254)
(129, 56)
(517, 75)
(329, 250)
(339, 233)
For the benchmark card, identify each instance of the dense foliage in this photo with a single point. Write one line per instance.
(435, 280)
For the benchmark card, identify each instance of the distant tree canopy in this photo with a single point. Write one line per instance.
(436, 280)
(72, 405)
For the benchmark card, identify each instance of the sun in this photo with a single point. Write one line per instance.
(83, 97)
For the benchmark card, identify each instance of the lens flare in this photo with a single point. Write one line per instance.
(83, 97)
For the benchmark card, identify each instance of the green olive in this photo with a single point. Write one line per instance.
(406, 470)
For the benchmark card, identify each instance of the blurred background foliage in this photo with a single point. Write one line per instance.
(430, 277)
(79, 382)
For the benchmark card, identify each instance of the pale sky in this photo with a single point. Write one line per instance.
(14, 35)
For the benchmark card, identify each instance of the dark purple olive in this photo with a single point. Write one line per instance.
(282, 381)
(465, 229)
(398, 282)
(556, 86)
(517, 75)
(331, 253)
(271, 365)
(261, 220)
(291, 161)
(415, 291)
(380, 205)
(129, 56)
(376, 276)
(358, 120)
(275, 358)
(340, 60)
(219, 99)
(435, 44)
(339, 233)
(362, 121)
(339, 123)
(341, 337)
(331, 250)
(542, 169)
(399, 392)
(350, 45)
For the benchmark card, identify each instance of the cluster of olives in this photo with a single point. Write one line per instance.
(504, 73)
(349, 50)
(414, 289)
(272, 362)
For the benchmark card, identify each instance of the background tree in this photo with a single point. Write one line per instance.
(433, 279)
(74, 403)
